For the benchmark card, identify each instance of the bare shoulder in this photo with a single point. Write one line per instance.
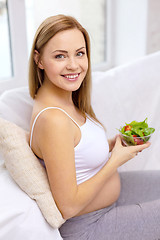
(53, 126)
(54, 117)
(53, 120)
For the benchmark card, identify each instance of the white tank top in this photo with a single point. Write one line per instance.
(92, 151)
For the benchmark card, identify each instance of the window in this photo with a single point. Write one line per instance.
(96, 26)
(13, 44)
(92, 14)
(20, 18)
(5, 49)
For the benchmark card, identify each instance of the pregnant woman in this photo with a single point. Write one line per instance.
(71, 143)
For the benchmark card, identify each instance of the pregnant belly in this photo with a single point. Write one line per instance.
(107, 195)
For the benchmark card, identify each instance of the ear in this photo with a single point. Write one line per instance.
(37, 59)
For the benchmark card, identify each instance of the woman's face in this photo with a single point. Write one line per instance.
(64, 60)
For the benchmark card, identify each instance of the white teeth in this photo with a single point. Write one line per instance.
(71, 76)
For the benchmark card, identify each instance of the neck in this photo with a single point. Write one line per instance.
(53, 94)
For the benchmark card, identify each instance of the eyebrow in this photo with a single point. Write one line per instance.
(64, 51)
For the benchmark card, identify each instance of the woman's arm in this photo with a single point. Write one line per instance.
(56, 142)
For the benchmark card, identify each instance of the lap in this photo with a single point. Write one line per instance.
(136, 221)
(136, 215)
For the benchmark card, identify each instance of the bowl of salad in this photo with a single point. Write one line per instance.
(136, 133)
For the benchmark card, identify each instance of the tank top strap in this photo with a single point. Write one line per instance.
(31, 136)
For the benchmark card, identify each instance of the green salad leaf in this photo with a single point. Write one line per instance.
(140, 129)
(135, 133)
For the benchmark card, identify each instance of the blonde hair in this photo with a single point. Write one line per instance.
(49, 28)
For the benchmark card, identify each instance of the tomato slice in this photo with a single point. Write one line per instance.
(138, 140)
(127, 128)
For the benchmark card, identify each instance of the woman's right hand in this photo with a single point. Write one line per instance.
(121, 154)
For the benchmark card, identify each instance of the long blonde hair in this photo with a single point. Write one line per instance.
(49, 28)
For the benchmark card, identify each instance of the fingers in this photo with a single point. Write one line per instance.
(135, 149)
(139, 148)
(118, 140)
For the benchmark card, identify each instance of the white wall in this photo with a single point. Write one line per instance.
(134, 30)
(129, 30)
(153, 31)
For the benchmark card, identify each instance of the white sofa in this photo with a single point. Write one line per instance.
(126, 93)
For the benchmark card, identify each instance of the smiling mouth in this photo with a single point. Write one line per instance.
(71, 77)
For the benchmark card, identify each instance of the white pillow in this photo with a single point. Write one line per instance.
(20, 216)
(16, 106)
(27, 171)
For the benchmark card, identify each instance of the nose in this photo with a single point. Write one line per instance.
(72, 64)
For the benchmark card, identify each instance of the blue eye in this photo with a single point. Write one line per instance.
(80, 54)
(60, 56)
